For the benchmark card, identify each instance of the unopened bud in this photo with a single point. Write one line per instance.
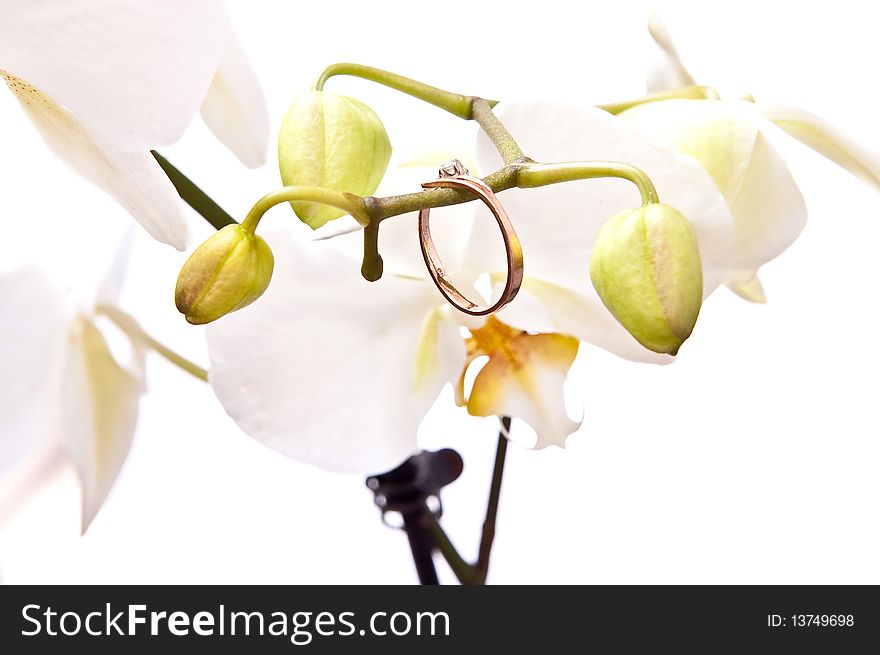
(331, 141)
(227, 272)
(646, 268)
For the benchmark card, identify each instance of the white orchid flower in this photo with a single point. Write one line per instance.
(63, 385)
(106, 81)
(733, 141)
(338, 372)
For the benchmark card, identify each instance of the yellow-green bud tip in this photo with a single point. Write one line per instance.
(227, 272)
(646, 268)
(331, 141)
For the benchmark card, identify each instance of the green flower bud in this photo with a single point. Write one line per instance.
(227, 272)
(331, 141)
(646, 268)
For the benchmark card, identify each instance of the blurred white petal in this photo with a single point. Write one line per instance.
(235, 109)
(63, 383)
(99, 414)
(34, 316)
(666, 70)
(133, 179)
(828, 140)
(133, 73)
(329, 369)
(19, 485)
(109, 289)
(558, 224)
(105, 81)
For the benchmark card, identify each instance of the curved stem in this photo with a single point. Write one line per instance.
(535, 175)
(129, 325)
(695, 92)
(454, 103)
(348, 202)
(179, 361)
(507, 146)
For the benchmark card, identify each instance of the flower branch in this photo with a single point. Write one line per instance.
(519, 170)
(695, 92)
(524, 174)
(537, 175)
(348, 202)
(136, 333)
(507, 146)
(455, 103)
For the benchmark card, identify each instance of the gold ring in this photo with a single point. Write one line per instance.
(454, 175)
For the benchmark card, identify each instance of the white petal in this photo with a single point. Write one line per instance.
(751, 290)
(769, 213)
(727, 139)
(558, 224)
(719, 135)
(235, 109)
(324, 367)
(133, 73)
(100, 410)
(439, 355)
(828, 140)
(666, 70)
(133, 179)
(545, 307)
(110, 287)
(34, 315)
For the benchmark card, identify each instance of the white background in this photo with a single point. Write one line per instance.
(752, 459)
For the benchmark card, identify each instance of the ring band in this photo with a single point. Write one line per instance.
(454, 175)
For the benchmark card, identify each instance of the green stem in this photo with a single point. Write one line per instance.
(178, 360)
(348, 202)
(129, 325)
(463, 570)
(524, 175)
(454, 103)
(507, 146)
(382, 208)
(518, 171)
(536, 175)
(466, 107)
(476, 574)
(695, 92)
(488, 537)
(193, 195)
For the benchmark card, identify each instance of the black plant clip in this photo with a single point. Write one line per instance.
(408, 491)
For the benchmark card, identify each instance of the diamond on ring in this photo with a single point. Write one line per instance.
(452, 168)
